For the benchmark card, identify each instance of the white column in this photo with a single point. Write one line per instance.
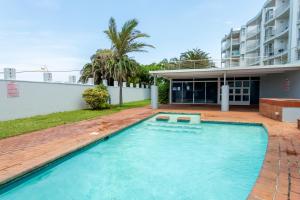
(90, 81)
(104, 82)
(170, 91)
(131, 85)
(124, 84)
(225, 96)
(137, 85)
(115, 83)
(154, 95)
(219, 88)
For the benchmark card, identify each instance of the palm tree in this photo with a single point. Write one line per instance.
(98, 67)
(198, 57)
(122, 69)
(100, 62)
(124, 42)
(86, 72)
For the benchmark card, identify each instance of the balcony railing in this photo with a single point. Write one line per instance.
(282, 8)
(234, 64)
(253, 61)
(253, 45)
(253, 32)
(226, 45)
(270, 33)
(192, 64)
(275, 32)
(269, 15)
(275, 52)
(235, 41)
(235, 53)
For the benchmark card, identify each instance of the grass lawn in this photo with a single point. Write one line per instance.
(26, 125)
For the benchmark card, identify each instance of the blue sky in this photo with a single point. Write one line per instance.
(62, 34)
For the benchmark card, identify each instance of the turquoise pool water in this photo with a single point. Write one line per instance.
(155, 160)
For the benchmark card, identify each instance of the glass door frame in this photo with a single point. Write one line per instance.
(238, 90)
(194, 81)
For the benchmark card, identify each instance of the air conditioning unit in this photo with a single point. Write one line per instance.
(9, 73)
(47, 77)
(72, 79)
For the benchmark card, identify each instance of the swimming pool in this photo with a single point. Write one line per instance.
(155, 160)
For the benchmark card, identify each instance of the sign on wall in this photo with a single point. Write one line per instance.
(12, 89)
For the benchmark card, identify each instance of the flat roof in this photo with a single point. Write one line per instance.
(218, 72)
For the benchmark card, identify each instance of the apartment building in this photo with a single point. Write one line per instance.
(270, 38)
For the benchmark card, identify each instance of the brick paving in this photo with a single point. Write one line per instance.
(279, 177)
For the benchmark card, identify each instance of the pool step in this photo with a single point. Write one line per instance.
(174, 127)
(173, 130)
(162, 118)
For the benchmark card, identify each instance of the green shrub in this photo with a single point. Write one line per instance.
(97, 97)
(163, 92)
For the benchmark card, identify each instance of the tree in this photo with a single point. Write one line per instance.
(98, 67)
(100, 62)
(86, 73)
(122, 69)
(124, 42)
(196, 57)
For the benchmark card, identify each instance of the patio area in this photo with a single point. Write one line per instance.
(279, 177)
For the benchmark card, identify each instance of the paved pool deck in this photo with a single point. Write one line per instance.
(279, 177)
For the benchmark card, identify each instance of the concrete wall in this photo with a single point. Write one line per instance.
(38, 98)
(129, 94)
(285, 85)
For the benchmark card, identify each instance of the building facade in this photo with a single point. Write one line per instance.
(272, 37)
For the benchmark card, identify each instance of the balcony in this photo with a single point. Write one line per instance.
(235, 64)
(235, 53)
(225, 46)
(282, 9)
(253, 61)
(270, 33)
(253, 32)
(274, 33)
(235, 41)
(269, 16)
(275, 53)
(253, 46)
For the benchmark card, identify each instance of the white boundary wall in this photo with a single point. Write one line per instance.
(38, 98)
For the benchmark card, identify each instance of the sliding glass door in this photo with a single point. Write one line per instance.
(195, 92)
(188, 92)
(177, 92)
(199, 93)
(211, 92)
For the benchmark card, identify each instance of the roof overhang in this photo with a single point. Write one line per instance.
(219, 72)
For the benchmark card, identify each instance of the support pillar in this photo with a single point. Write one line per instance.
(225, 96)
(154, 95)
